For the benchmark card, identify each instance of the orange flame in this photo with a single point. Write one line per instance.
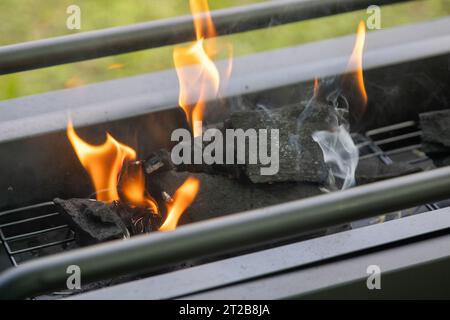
(182, 199)
(316, 87)
(104, 163)
(356, 64)
(202, 78)
(133, 189)
(203, 24)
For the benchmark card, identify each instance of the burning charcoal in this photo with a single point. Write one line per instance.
(373, 169)
(220, 195)
(300, 157)
(137, 219)
(93, 221)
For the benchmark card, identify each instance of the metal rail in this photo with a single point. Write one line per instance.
(226, 234)
(118, 40)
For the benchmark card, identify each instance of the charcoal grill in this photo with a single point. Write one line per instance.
(29, 230)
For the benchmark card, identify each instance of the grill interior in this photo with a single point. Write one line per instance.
(37, 231)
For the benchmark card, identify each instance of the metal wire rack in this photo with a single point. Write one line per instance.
(395, 143)
(398, 143)
(34, 231)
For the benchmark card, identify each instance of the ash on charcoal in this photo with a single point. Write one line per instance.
(373, 169)
(219, 195)
(92, 221)
(300, 157)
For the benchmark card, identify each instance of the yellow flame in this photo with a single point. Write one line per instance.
(202, 78)
(104, 163)
(356, 64)
(182, 199)
(203, 23)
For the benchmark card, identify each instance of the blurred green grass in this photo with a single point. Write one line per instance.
(26, 20)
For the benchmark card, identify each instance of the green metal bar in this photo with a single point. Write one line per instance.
(226, 234)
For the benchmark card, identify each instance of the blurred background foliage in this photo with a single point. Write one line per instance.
(27, 20)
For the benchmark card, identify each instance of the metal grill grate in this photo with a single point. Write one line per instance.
(398, 143)
(35, 231)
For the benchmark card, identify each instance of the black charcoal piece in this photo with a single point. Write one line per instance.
(442, 161)
(373, 169)
(436, 136)
(220, 195)
(300, 157)
(93, 221)
(158, 161)
(431, 148)
(436, 128)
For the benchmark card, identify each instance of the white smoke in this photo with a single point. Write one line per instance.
(340, 153)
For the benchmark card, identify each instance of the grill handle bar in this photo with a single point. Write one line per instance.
(119, 40)
(226, 234)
